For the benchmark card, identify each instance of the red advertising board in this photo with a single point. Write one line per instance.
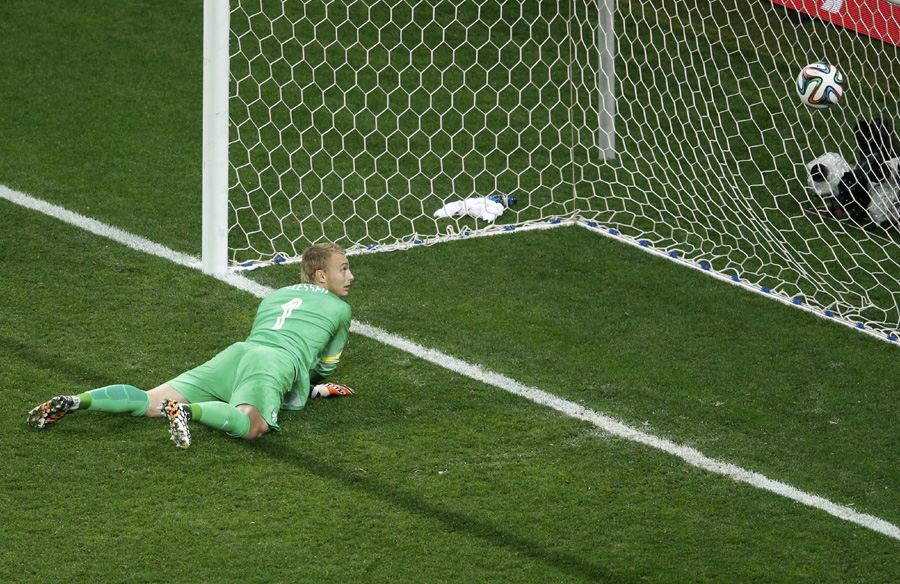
(876, 18)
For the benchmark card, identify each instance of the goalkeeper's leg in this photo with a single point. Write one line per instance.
(221, 416)
(113, 398)
(125, 399)
(243, 421)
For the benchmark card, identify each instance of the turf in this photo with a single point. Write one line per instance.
(424, 475)
(424, 471)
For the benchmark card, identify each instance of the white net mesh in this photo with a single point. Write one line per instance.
(355, 121)
(713, 143)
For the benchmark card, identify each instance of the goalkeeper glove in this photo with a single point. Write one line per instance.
(330, 390)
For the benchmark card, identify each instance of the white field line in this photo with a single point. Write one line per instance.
(538, 396)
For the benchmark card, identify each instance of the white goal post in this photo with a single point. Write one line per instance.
(671, 125)
(216, 31)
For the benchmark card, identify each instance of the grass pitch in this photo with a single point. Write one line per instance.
(424, 475)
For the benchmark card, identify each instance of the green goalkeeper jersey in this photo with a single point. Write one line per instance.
(309, 323)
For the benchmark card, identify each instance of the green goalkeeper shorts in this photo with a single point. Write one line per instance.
(244, 373)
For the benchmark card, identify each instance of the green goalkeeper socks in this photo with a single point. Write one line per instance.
(116, 398)
(221, 416)
(127, 398)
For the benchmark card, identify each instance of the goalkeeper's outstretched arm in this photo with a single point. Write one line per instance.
(330, 355)
(323, 369)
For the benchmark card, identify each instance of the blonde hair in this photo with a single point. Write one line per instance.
(315, 257)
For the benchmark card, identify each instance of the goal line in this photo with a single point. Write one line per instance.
(538, 396)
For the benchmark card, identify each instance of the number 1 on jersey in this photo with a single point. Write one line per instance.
(288, 308)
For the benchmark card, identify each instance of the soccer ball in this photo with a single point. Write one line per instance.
(820, 85)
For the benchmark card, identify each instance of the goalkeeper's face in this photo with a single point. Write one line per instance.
(336, 277)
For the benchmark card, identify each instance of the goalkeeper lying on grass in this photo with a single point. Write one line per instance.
(296, 340)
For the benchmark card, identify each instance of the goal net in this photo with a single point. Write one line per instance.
(355, 122)
(714, 143)
(672, 125)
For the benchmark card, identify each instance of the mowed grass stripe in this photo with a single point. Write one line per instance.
(538, 396)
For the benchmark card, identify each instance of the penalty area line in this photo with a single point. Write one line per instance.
(601, 421)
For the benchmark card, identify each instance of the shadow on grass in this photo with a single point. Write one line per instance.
(465, 523)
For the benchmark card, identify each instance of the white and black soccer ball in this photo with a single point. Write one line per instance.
(821, 85)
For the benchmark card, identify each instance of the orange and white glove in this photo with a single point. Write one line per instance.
(330, 390)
